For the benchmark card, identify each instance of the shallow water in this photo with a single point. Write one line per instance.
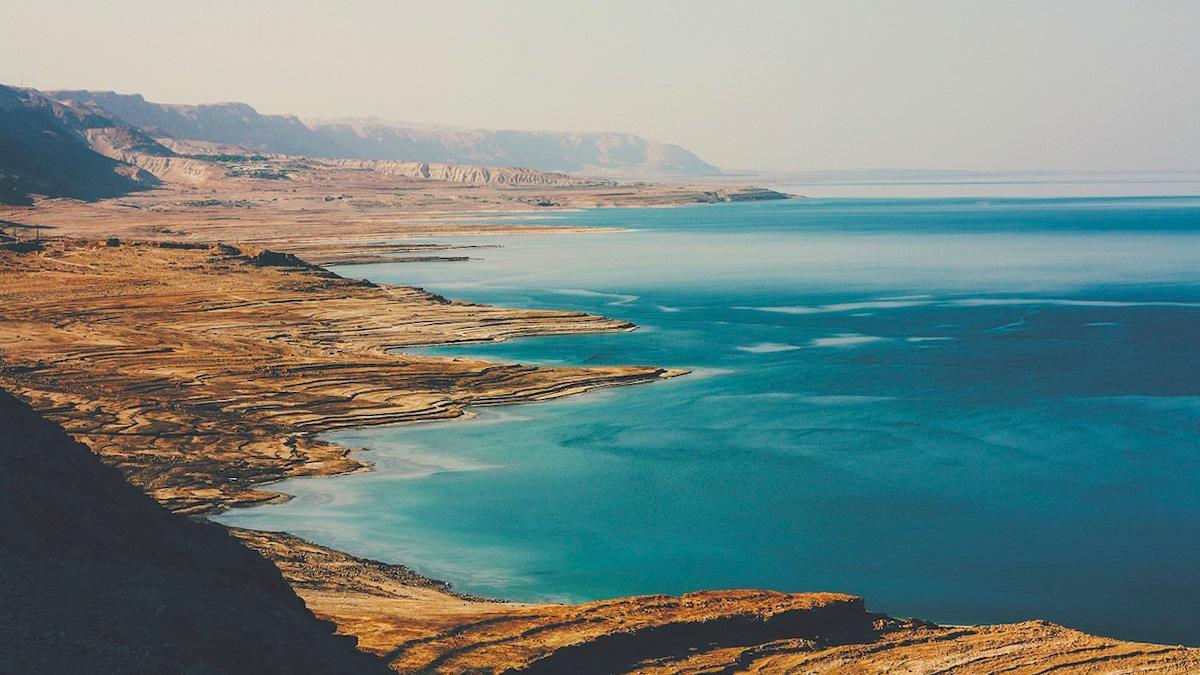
(969, 411)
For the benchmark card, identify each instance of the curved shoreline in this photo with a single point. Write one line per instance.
(368, 466)
(238, 359)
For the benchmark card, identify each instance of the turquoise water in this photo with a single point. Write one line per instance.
(968, 411)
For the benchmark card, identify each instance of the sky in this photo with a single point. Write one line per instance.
(787, 85)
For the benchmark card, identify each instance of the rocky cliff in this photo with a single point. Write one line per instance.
(420, 627)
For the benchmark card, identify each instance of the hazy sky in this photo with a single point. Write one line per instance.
(798, 85)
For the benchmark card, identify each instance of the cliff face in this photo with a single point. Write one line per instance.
(241, 125)
(97, 577)
(45, 149)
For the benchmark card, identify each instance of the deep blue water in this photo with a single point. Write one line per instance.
(968, 411)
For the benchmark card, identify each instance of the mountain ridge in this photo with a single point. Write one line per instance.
(48, 148)
(375, 138)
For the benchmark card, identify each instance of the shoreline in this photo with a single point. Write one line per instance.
(368, 466)
(286, 352)
(467, 414)
(525, 355)
(327, 369)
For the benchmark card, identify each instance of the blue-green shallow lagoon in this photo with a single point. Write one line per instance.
(968, 411)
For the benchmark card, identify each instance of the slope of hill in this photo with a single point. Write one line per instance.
(241, 125)
(45, 149)
(97, 577)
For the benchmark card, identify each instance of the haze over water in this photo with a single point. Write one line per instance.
(966, 410)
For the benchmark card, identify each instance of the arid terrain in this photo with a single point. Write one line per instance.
(335, 214)
(188, 335)
(345, 211)
(203, 371)
(417, 626)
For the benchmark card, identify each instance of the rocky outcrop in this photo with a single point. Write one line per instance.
(417, 625)
(96, 577)
(118, 142)
(175, 169)
(237, 124)
(616, 636)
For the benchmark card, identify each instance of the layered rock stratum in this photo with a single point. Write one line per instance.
(596, 153)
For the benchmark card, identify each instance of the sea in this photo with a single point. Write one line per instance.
(973, 408)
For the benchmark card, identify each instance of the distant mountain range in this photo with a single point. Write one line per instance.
(600, 154)
(92, 145)
(46, 149)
